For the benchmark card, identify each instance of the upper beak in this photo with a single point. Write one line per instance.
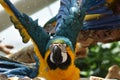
(57, 56)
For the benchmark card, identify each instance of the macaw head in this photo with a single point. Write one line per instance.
(59, 53)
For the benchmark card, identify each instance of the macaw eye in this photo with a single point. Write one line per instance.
(65, 45)
(62, 46)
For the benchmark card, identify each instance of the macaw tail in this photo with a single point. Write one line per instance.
(13, 68)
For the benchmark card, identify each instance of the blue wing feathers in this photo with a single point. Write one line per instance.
(17, 13)
(106, 22)
(96, 7)
(105, 19)
(100, 10)
(35, 31)
(110, 21)
(12, 68)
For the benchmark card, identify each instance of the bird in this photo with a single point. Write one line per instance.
(55, 54)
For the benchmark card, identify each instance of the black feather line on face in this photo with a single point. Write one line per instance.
(64, 65)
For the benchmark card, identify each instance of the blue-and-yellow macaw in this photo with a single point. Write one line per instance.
(55, 55)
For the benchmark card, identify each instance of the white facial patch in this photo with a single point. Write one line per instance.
(63, 52)
(65, 56)
(51, 58)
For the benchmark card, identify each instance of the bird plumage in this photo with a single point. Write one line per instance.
(12, 68)
(63, 70)
(18, 24)
(57, 62)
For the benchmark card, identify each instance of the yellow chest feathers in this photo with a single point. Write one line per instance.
(70, 73)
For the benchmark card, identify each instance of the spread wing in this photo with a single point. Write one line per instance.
(27, 27)
(101, 23)
(13, 68)
(15, 19)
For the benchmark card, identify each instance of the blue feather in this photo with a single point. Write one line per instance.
(106, 22)
(97, 7)
(111, 20)
(69, 20)
(12, 68)
(38, 35)
(36, 32)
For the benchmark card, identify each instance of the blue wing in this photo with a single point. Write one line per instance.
(27, 27)
(12, 68)
(105, 15)
(104, 22)
(108, 14)
(97, 7)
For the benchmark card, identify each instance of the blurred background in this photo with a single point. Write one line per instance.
(100, 57)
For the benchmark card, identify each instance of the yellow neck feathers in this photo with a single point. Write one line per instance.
(71, 73)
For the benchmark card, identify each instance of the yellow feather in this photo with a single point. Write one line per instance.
(92, 16)
(43, 65)
(6, 7)
(71, 73)
(17, 23)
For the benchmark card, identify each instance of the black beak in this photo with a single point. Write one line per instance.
(57, 57)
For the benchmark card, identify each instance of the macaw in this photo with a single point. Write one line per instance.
(55, 54)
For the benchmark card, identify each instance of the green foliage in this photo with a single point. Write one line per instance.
(100, 58)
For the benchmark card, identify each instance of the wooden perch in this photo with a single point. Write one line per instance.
(6, 48)
(24, 55)
(113, 72)
(91, 37)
